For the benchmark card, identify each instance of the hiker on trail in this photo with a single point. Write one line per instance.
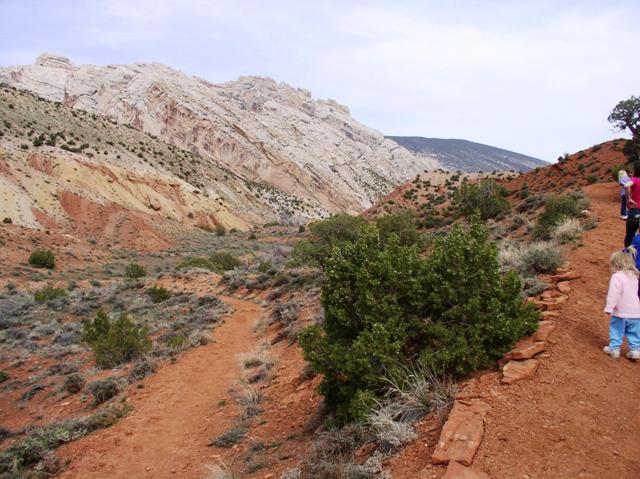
(623, 304)
(623, 179)
(632, 192)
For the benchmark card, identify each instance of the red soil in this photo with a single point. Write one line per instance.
(579, 416)
(176, 414)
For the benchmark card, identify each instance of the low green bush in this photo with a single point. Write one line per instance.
(135, 270)
(218, 262)
(48, 292)
(386, 307)
(73, 383)
(556, 210)
(7, 221)
(220, 230)
(103, 390)
(158, 294)
(487, 198)
(43, 258)
(115, 342)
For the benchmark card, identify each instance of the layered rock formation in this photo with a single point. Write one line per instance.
(261, 130)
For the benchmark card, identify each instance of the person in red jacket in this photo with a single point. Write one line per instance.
(632, 190)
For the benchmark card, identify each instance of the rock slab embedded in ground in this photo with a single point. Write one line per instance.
(544, 330)
(518, 370)
(526, 349)
(462, 434)
(458, 471)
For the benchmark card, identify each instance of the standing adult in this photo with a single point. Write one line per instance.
(632, 188)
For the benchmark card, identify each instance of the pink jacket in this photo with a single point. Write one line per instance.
(622, 298)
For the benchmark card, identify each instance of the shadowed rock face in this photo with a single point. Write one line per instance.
(262, 130)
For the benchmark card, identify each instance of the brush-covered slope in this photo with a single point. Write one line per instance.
(467, 155)
(266, 131)
(60, 166)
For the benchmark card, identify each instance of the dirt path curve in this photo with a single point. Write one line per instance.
(580, 416)
(176, 414)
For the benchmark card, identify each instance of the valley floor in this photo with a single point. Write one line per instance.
(177, 413)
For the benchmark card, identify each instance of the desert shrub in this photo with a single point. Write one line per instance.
(334, 231)
(115, 342)
(103, 390)
(142, 368)
(158, 294)
(231, 437)
(556, 210)
(4, 376)
(48, 292)
(226, 261)
(40, 442)
(403, 225)
(7, 221)
(592, 178)
(220, 230)
(386, 306)
(135, 270)
(218, 262)
(43, 258)
(540, 257)
(567, 230)
(487, 198)
(389, 430)
(73, 383)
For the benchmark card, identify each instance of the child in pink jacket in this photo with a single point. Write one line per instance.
(623, 305)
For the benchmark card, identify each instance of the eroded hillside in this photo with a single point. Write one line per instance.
(266, 131)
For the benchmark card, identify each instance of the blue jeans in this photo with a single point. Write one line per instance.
(621, 327)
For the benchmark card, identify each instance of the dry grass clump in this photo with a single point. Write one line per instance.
(567, 230)
(218, 471)
(530, 259)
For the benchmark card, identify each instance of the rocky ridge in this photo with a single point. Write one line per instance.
(261, 130)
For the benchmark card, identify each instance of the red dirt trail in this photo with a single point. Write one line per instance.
(580, 416)
(176, 414)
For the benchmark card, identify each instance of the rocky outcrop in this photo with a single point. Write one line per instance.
(267, 132)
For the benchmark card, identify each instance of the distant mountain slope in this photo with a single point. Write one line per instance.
(261, 130)
(467, 155)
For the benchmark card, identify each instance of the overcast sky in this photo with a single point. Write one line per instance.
(536, 77)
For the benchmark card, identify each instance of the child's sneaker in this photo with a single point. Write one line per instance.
(634, 354)
(623, 217)
(614, 353)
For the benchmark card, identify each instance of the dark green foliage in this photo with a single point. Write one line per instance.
(220, 230)
(388, 306)
(626, 115)
(43, 258)
(4, 376)
(103, 390)
(48, 292)
(556, 209)
(158, 294)
(403, 225)
(73, 383)
(325, 234)
(39, 442)
(487, 198)
(115, 342)
(218, 262)
(592, 178)
(7, 221)
(135, 270)
(301, 229)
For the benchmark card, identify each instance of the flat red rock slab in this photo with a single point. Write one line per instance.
(568, 276)
(462, 434)
(549, 314)
(518, 370)
(544, 330)
(458, 471)
(564, 287)
(526, 349)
